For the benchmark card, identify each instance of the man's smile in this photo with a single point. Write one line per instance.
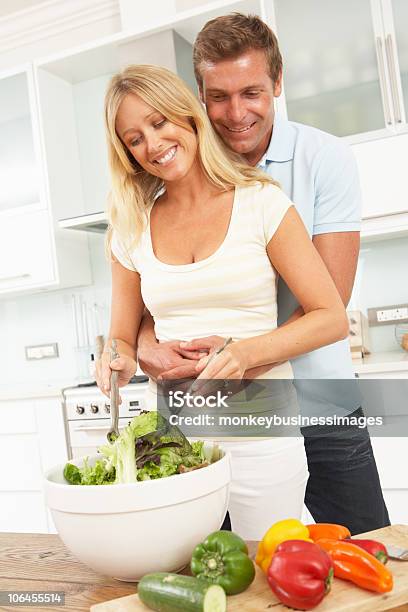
(240, 130)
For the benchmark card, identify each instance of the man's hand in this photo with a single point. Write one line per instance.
(157, 360)
(193, 350)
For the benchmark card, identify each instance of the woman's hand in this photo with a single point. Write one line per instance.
(124, 365)
(231, 363)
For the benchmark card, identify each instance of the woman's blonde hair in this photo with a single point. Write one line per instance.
(133, 189)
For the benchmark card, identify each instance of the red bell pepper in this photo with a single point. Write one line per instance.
(299, 575)
(374, 548)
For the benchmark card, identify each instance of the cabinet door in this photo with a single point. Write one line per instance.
(20, 177)
(331, 76)
(382, 170)
(399, 60)
(27, 253)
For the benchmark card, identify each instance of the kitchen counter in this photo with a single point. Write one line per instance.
(34, 562)
(391, 361)
(39, 562)
(31, 390)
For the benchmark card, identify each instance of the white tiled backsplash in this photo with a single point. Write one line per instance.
(47, 317)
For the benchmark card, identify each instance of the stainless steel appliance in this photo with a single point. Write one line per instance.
(87, 415)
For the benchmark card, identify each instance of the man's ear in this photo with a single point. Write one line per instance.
(277, 86)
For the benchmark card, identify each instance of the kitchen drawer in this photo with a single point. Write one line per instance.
(20, 452)
(51, 432)
(26, 250)
(17, 417)
(23, 512)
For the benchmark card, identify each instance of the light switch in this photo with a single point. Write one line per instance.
(42, 351)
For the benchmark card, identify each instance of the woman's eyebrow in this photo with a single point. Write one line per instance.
(133, 129)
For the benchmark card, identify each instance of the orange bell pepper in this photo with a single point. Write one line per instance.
(328, 530)
(357, 565)
(289, 529)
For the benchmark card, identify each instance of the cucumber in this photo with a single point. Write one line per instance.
(165, 592)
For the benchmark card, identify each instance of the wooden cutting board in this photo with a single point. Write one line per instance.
(344, 596)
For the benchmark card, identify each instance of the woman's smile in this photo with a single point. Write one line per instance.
(166, 158)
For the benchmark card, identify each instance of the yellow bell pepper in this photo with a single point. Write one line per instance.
(289, 529)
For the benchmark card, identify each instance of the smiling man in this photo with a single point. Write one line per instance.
(238, 94)
(238, 67)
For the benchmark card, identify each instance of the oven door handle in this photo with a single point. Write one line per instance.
(92, 428)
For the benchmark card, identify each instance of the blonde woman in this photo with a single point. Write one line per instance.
(199, 238)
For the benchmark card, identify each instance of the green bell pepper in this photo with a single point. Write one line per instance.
(223, 559)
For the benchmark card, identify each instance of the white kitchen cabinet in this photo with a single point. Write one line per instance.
(71, 88)
(331, 76)
(32, 440)
(20, 168)
(382, 170)
(26, 250)
(346, 72)
(345, 64)
(395, 20)
(34, 254)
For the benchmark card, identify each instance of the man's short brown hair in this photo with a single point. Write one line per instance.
(230, 36)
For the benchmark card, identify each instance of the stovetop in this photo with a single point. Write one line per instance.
(140, 378)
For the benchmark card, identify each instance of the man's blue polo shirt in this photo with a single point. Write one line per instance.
(319, 174)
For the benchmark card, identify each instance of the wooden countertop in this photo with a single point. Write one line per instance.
(41, 562)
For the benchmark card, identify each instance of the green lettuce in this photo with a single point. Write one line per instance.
(148, 448)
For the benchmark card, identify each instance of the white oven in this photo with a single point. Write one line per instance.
(87, 415)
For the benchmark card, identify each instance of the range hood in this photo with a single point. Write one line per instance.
(374, 228)
(94, 222)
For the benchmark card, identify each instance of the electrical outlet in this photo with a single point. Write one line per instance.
(388, 315)
(41, 351)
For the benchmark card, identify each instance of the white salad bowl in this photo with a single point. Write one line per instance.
(128, 530)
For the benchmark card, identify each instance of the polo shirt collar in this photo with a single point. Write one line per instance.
(282, 144)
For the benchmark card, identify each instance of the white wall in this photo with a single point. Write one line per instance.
(47, 317)
(382, 280)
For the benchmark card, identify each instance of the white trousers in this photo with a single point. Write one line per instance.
(269, 480)
(269, 476)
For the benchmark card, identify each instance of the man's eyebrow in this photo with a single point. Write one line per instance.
(216, 90)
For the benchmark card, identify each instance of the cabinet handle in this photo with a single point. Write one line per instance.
(389, 48)
(9, 277)
(383, 87)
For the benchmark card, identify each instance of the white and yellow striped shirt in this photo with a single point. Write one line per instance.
(230, 293)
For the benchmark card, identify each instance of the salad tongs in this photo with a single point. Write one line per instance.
(113, 433)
